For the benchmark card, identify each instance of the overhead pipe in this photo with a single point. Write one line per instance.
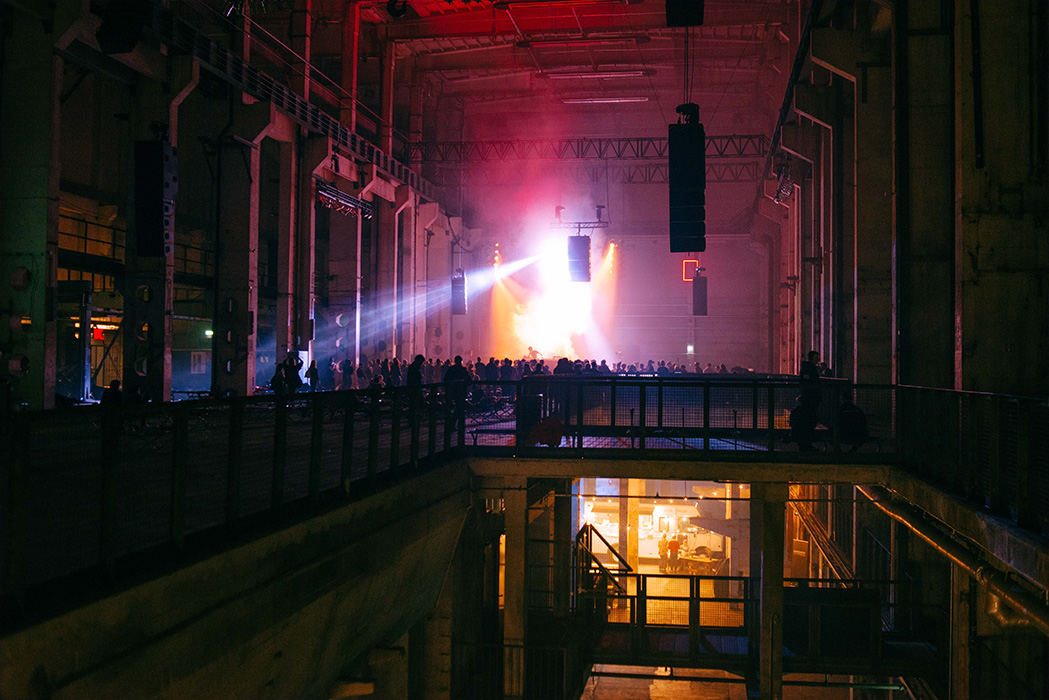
(997, 582)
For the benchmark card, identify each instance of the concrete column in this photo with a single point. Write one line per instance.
(237, 242)
(804, 142)
(962, 594)
(564, 536)
(1001, 193)
(287, 250)
(862, 58)
(29, 175)
(923, 133)
(386, 90)
(351, 36)
(415, 116)
(816, 105)
(767, 524)
(383, 320)
(313, 153)
(404, 219)
(343, 286)
(515, 500)
(300, 27)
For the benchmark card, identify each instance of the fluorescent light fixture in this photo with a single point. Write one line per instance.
(571, 41)
(601, 100)
(583, 75)
(208, 333)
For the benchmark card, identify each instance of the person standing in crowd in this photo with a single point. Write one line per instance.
(415, 372)
(313, 375)
(809, 379)
(292, 367)
(664, 553)
(851, 422)
(112, 396)
(457, 380)
(675, 547)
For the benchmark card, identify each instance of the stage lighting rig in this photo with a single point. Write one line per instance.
(579, 244)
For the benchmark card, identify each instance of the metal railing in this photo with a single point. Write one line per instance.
(90, 488)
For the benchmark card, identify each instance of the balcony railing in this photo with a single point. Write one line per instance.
(91, 489)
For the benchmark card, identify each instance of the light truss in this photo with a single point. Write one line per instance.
(637, 148)
(596, 173)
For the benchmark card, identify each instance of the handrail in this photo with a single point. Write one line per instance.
(609, 545)
(608, 574)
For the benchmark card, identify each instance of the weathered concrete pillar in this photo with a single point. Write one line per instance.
(300, 26)
(564, 537)
(862, 58)
(515, 499)
(823, 106)
(415, 115)
(386, 90)
(314, 151)
(149, 263)
(287, 234)
(962, 594)
(1001, 195)
(767, 523)
(804, 141)
(237, 242)
(404, 219)
(351, 37)
(29, 175)
(923, 134)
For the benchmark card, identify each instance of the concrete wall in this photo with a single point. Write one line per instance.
(287, 615)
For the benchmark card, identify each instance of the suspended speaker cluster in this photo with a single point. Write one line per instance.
(579, 258)
(459, 293)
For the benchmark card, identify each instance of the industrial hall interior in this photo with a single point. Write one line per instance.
(524, 349)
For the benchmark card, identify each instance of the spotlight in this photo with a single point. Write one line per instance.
(397, 8)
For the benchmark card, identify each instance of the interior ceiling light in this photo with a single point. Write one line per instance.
(504, 4)
(572, 41)
(601, 100)
(572, 75)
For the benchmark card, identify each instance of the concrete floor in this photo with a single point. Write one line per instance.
(603, 688)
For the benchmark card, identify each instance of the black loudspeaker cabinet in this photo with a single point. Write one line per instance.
(699, 296)
(579, 258)
(686, 146)
(156, 189)
(684, 13)
(459, 295)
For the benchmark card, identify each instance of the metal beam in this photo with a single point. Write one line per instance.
(644, 173)
(485, 23)
(635, 148)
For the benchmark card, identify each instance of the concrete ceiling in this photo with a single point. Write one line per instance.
(533, 55)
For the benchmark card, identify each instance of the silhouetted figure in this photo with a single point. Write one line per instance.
(112, 396)
(851, 421)
(809, 378)
(803, 423)
(292, 366)
(457, 379)
(548, 431)
(415, 372)
(313, 375)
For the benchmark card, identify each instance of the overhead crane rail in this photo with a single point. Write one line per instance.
(634, 148)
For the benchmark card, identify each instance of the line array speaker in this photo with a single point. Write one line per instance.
(686, 146)
(459, 293)
(156, 188)
(579, 258)
(684, 13)
(699, 296)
